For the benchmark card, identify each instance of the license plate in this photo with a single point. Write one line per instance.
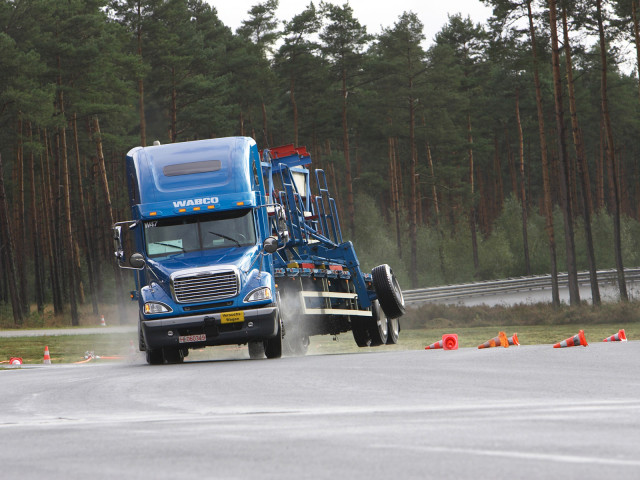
(192, 338)
(232, 317)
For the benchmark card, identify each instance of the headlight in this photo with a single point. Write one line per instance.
(151, 308)
(262, 293)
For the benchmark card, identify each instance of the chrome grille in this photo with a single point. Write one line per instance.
(205, 287)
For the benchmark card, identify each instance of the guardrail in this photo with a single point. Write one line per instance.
(512, 285)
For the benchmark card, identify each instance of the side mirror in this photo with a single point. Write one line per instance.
(136, 260)
(117, 243)
(270, 245)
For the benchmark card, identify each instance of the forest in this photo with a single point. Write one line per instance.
(502, 149)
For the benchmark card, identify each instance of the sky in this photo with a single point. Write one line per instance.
(374, 14)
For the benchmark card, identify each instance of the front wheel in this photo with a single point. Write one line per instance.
(273, 346)
(256, 350)
(154, 356)
(173, 355)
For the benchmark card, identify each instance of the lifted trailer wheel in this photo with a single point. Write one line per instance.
(388, 291)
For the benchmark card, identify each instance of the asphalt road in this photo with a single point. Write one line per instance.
(522, 412)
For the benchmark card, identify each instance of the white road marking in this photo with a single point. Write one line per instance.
(549, 457)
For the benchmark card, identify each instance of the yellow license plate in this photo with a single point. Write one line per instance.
(232, 317)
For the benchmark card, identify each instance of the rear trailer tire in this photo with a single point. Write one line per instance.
(295, 344)
(378, 325)
(388, 291)
(360, 331)
(394, 331)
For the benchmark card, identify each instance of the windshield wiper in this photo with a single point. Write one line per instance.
(170, 245)
(226, 238)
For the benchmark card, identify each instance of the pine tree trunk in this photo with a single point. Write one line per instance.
(572, 273)
(97, 235)
(8, 252)
(68, 230)
(50, 244)
(600, 169)
(351, 220)
(109, 210)
(38, 277)
(472, 211)
(622, 285)
(143, 121)
(413, 201)
(265, 130)
(523, 196)
(395, 193)
(434, 190)
(173, 135)
(636, 35)
(499, 186)
(512, 168)
(581, 163)
(85, 223)
(546, 180)
(21, 228)
(294, 105)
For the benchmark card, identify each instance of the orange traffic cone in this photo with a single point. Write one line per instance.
(47, 357)
(618, 337)
(434, 345)
(500, 341)
(102, 322)
(574, 341)
(15, 361)
(450, 341)
(513, 340)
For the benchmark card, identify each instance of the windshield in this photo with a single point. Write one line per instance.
(199, 232)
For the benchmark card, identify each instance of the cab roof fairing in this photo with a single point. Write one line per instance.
(145, 166)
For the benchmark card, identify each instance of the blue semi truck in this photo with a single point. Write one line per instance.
(230, 245)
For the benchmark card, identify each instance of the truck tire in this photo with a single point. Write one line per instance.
(394, 331)
(154, 356)
(256, 350)
(378, 325)
(141, 346)
(360, 331)
(295, 343)
(173, 355)
(388, 291)
(273, 346)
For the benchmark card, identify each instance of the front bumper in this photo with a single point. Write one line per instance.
(258, 324)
